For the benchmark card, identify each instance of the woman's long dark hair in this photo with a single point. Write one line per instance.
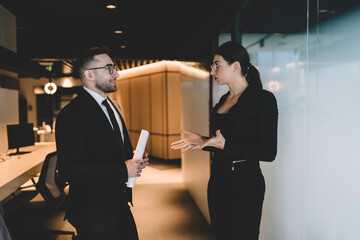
(232, 52)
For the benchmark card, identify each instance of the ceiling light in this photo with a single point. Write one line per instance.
(274, 86)
(67, 83)
(50, 88)
(290, 65)
(110, 6)
(275, 69)
(123, 46)
(118, 31)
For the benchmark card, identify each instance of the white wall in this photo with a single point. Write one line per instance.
(8, 29)
(195, 165)
(9, 114)
(312, 186)
(9, 100)
(333, 131)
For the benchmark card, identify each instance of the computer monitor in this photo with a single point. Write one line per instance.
(20, 135)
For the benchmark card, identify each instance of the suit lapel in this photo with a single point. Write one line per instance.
(99, 114)
(127, 141)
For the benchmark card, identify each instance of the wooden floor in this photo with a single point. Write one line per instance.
(163, 209)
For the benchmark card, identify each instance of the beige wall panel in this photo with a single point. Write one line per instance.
(158, 103)
(195, 117)
(149, 145)
(9, 114)
(157, 146)
(122, 96)
(195, 167)
(27, 90)
(166, 147)
(135, 138)
(144, 70)
(140, 103)
(174, 102)
(132, 137)
(150, 97)
(9, 106)
(8, 29)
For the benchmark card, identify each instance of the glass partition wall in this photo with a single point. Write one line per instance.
(308, 55)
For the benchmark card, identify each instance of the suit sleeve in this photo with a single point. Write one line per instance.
(265, 148)
(76, 165)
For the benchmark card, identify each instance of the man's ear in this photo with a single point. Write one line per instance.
(88, 75)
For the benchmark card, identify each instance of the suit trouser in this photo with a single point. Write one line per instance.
(125, 230)
(235, 209)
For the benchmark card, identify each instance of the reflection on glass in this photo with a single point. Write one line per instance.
(308, 56)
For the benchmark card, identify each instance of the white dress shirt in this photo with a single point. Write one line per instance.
(99, 99)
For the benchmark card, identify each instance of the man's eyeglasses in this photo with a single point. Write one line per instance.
(110, 68)
(215, 65)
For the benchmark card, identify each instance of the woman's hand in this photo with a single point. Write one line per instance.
(218, 142)
(190, 142)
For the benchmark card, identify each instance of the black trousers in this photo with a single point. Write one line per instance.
(125, 230)
(235, 206)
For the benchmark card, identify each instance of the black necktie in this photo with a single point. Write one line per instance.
(127, 143)
(114, 123)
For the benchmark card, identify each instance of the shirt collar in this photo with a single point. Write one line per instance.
(98, 98)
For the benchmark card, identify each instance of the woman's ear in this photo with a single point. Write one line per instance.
(237, 66)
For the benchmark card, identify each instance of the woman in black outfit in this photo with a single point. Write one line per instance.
(244, 129)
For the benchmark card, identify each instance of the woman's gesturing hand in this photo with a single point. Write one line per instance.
(190, 142)
(218, 142)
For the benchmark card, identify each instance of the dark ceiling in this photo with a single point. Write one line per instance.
(152, 30)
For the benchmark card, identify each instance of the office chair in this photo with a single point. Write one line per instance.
(50, 192)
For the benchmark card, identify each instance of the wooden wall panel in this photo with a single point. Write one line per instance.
(122, 96)
(158, 146)
(140, 103)
(173, 154)
(158, 103)
(151, 99)
(173, 102)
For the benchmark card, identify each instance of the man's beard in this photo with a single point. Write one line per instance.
(105, 87)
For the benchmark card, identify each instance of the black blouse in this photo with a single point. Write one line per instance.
(249, 127)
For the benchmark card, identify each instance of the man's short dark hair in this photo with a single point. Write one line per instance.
(86, 56)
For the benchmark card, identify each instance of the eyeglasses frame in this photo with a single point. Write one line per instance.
(110, 68)
(215, 65)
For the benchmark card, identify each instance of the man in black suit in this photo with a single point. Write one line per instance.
(95, 154)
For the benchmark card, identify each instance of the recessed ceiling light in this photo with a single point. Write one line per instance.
(323, 11)
(118, 31)
(122, 46)
(111, 6)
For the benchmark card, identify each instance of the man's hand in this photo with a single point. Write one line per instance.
(145, 158)
(134, 167)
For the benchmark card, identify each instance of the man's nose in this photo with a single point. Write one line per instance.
(116, 74)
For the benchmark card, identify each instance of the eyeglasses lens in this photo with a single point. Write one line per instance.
(111, 69)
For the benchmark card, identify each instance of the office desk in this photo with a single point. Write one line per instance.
(17, 170)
